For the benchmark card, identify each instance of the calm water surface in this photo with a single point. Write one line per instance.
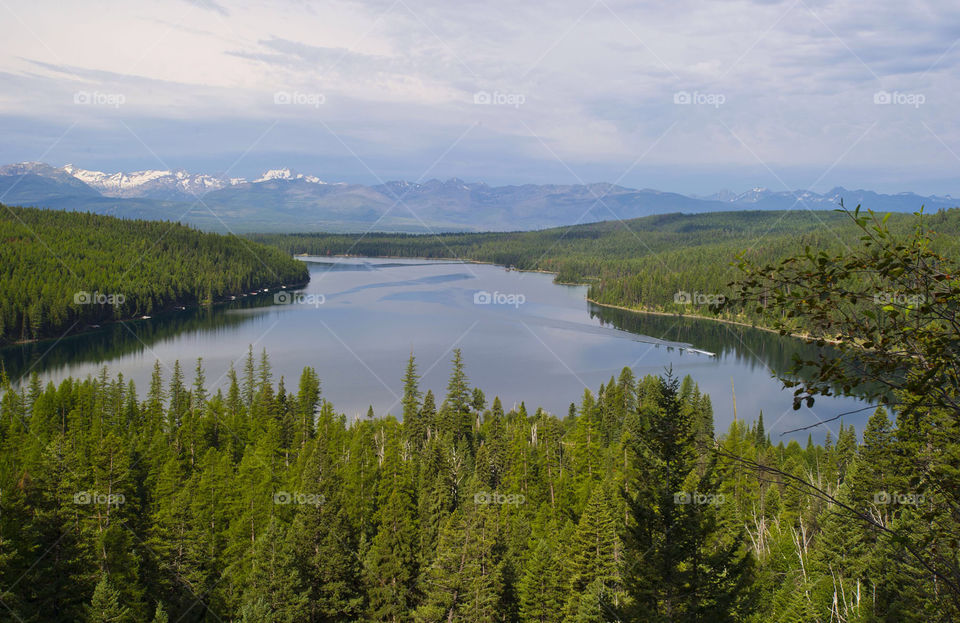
(359, 319)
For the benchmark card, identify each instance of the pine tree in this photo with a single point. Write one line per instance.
(464, 582)
(155, 400)
(308, 400)
(428, 414)
(760, 435)
(679, 570)
(541, 600)
(105, 606)
(414, 425)
(249, 389)
(390, 569)
(199, 394)
(160, 616)
(169, 526)
(592, 605)
(179, 401)
(325, 541)
(457, 403)
(596, 553)
(274, 579)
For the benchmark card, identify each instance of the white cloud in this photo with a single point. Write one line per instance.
(598, 81)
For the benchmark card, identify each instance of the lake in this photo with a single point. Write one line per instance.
(522, 336)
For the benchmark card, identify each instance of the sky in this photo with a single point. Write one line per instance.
(689, 97)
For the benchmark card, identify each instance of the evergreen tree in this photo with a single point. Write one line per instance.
(464, 582)
(285, 512)
(457, 402)
(160, 615)
(679, 570)
(596, 554)
(390, 568)
(274, 579)
(308, 401)
(541, 599)
(428, 414)
(105, 606)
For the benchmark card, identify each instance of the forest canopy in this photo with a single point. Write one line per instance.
(260, 503)
(63, 271)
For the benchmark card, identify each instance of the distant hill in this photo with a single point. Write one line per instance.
(282, 200)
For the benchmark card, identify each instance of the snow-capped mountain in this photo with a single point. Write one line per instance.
(287, 174)
(154, 184)
(283, 200)
(40, 169)
(150, 184)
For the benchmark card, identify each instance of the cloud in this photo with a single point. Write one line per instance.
(597, 85)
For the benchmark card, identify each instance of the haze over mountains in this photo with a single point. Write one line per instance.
(282, 200)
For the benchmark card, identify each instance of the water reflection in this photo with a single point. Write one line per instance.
(543, 351)
(744, 345)
(114, 340)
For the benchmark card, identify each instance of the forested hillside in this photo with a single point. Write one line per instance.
(63, 271)
(262, 504)
(256, 502)
(647, 263)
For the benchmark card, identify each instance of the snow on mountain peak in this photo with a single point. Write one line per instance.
(287, 174)
(157, 183)
(151, 182)
(275, 174)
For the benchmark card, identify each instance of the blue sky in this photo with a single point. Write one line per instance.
(683, 96)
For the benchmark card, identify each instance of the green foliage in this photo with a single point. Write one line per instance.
(105, 605)
(892, 307)
(282, 511)
(65, 271)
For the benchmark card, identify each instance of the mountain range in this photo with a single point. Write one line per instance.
(282, 200)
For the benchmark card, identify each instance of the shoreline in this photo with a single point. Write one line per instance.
(174, 307)
(650, 312)
(800, 336)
